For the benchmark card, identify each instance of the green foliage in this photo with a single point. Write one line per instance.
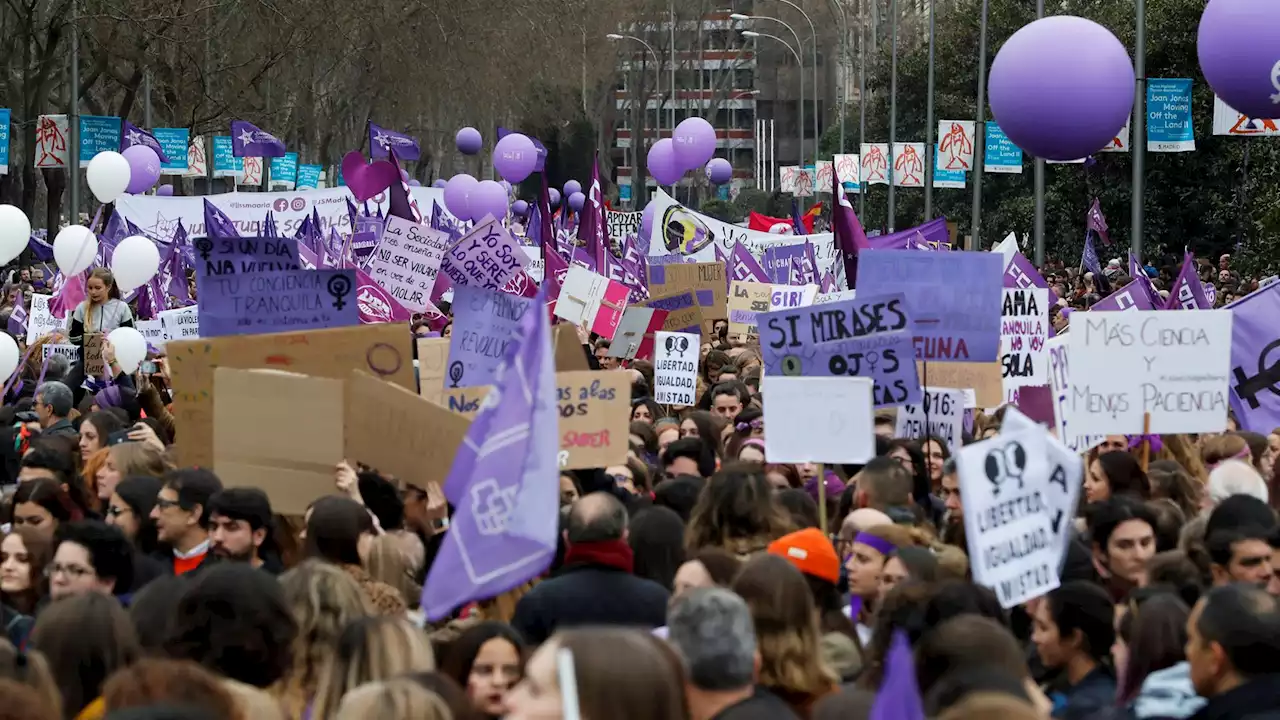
(723, 210)
(1200, 199)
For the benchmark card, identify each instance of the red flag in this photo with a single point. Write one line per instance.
(773, 225)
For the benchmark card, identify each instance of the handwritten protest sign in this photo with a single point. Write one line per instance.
(181, 323)
(675, 369)
(818, 419)
(953, 298)
(635, 334)
(228, 256)
(94, 365)
(1004, 482)
(837, 296)
(595, 409)
(276, 302)
(466, 401)
(1060, 384)
(941, 415)
(704, 280)
(1024, 334)
(886, 358)
(152, 331)
(407, 261)
(487, 257)
(1066, 473)
(1173, 365)
(746, 301)
(484, 323)
(591, 300)
(70, 352)
(40, 321)
(785, 297)
(683, 312)
(817, 324)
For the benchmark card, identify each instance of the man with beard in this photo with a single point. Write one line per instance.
(240, 525)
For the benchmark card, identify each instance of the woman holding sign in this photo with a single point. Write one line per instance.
(102, 310)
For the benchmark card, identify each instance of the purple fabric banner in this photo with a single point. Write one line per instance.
(1187, 293)
(776, 261)
(934, 231)
(743, 267)
(247, 140)
(954, 299)
(382, 141)
(484, 324)
(486, 257)
(888, 358)
(288, 300)
(1135, 295)
(1255, 360)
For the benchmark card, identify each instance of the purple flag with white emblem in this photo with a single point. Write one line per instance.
(131, 135)
(18, 319)
(247, 140)
(382, 141)
(1187, 292)
(1255, 360)
(504, 482)
(744, 267)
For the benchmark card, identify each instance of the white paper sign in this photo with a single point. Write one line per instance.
(1012, 547)
(1024, 337)
(71, 352)
(1173, 365)
(407, 261)
(152, 331)
(837, 296)
(40, 321)
(631, 331)
(1066, 477)
(181, 323)
(675, 368)
(1060, 383)
(818, 419)
(941, 415)
(788, 297)
(581, 295)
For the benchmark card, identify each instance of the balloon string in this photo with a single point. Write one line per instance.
(18, 371)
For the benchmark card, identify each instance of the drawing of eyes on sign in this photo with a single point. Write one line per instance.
(1012, 546)
(1066, 477)
(675, 368)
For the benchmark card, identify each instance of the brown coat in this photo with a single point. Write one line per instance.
(384, 599)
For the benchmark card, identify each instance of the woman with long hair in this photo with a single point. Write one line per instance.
(31, 668)
(400, 699)
(736, 511)
(1073, 632)
(95, 428)
(85, 638)
(707, 427)
(1115, 474)
(24, 556)
(102, 309)
(42, 505)
(125, 459)
(129, 508)
(488, 660)
(370, 649)
(1155, 679)
(341, 531)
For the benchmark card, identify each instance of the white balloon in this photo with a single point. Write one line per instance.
(74, 249)
(131, 348)
(134, 262)
(9, 355)
(15, 232)
(108, 176)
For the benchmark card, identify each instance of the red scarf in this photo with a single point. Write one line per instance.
(614, 554)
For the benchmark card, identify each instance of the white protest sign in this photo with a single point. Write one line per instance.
(819, 419)
(836, 296)
(181, 323)
(941, 415)
(591, 300)
(40, 321)
(1173, 365)
(152, 331)
(1024, 334)
(407, 260)
(1066, 477)
(1004, 482)
(1060, 383)
(787, 297)
(675, 368)
(71, 352)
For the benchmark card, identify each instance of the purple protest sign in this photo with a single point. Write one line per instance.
(954, 300)
(743, 266)
(671, 259)
(229, 256)
(376, 304)
(776, 260)
(288, 300)
(673, 304)
(484, 323)
(407, 261)
(1134, 296)
(783, 331)
(1255, 360)
(486, 257)
(888, 358)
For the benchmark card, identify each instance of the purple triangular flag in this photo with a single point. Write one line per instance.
(131, 135)
(383, 141)
(248, 140)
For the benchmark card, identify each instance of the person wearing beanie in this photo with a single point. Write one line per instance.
(815, 557)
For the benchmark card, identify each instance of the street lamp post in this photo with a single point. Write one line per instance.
(813, 37)
(800, 46)
(657, 111)
(844, 57)
(796, 55)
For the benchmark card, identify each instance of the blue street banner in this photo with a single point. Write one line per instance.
(308, 177)
(98, 134)
(4, 140)
(341, 181)
(624, 192)
(284, 170)
(174, 142)
(224, 163)
(1000, 154)
(1169, 126)
(942, 177)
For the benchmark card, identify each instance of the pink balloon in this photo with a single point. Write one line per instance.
(663, 166)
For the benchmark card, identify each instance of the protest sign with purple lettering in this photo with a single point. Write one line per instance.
(407, 261)
(484, 323)
(887, 358)
(277, 302)
(953, 299)
(486, 257)
(1255, 360)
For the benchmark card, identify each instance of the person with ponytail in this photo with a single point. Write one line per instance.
(102, 309)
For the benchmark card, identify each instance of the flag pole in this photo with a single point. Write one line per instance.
(979, 130)
(893, 106)
(930, 153)
(1037, 232)
(862, 104)
(1138, 133)
(73, 121)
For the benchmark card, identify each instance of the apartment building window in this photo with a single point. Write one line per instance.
(744, 79)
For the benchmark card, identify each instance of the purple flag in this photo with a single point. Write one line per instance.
(18, 319)
(1211, 294)
(1134, 295)
(809, 264)
(744, 266)
(1255, 362)
(399, 202)
(546, 231)
(375, 303)
(849, 236)
(176, 266)
(1096, 223)
(1020, 273)
(776, 261)
(216, 222)
(1135, 267)
(592, 231)
(796, 276)
(382, 141)
(932, 233)
(131, 135)
(828, 283)
(40, 245)
(247, 140)
(504, 481)
(269, 226)
(899, 695)
(1187, 293)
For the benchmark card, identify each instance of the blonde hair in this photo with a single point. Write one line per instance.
(1219, 448)
(1180, 449)
(387, 562)
(324, 599)
(113, 292)
(370, 649)
(393, 700)
(135, 458)
(32, 670)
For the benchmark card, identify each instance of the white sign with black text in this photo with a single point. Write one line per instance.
(1060, 383)
(940, 415)
(675, 368)
(1066, 477)
(1024, 335)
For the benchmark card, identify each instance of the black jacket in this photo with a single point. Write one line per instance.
(1258, 699)
(589, 594)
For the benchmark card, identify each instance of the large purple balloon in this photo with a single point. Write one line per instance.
(520, 208)
(662, 163)
(577, 201)
(514, 157)
(571, 187)
(415, 183)
(144, 168)
(553, 196)
(468, 141)
(719, 171)
(1239, 48)
(456, 194)
(439, 183)
(646, 219)
(488, 198)
(1055, 100)
(695, 143)
(164, 190)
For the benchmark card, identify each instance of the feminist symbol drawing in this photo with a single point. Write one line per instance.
(338, 287)
(1267, 378)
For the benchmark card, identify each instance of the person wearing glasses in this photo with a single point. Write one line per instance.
(181, 513)
(91, 556)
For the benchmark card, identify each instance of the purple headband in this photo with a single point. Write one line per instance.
(108, 397)
(884, 546)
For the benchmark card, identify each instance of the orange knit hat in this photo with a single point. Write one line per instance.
(811, 552)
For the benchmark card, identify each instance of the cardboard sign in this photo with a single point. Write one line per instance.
(746, 301)
(383, 349)
(94, 365)
(704, 280)
(433, 363)
(1024, 337)
(1174, 365)
(940, 415)
(288, 300)
(595, 412)
(1004, 482)
(592, 301)
(571, 354)
(277, 431)
(981, 380)
(684, 314)
(407, 261)
(675, 369)
(816, 419)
